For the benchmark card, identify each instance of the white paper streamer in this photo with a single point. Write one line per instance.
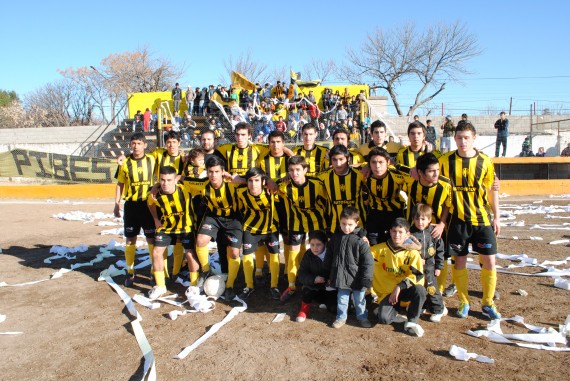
(146, 302)
(462, 354)
(55, 275)
(215, 328)
(562, 283)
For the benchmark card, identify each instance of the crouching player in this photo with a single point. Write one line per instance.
(398, 276)
(259, 216)
(432, 255)
(175, 223)
(312, 276)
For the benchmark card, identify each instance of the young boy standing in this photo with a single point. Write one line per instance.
(398, 276)
(432, 255)
(313, 277)
(472, 173)
(351, 267)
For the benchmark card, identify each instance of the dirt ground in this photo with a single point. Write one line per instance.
(75, 328)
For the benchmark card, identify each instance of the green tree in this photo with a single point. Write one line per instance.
(7, 97)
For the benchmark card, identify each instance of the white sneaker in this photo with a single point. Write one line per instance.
(414, 329)
(400, 319)
(436, 318)
(156, 292)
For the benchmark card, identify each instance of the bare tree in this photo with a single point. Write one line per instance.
(282, 74)
(246, 65)
(49, 104)
(434, 56)
(319, 69)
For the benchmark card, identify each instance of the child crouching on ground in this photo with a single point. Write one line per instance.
(432, 255)
(398, 276)
(313, 277)
(350, 267)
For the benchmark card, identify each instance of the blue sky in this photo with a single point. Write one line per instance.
(525, 54)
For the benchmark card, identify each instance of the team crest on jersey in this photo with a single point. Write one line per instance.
(219, 199)
(431, 251)
(172, 203)
(465, 172)
(140, 171)
(343, 187)
(301, 199)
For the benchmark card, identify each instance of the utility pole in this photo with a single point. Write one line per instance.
(511, 106)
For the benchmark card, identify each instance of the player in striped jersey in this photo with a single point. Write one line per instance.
(378, 133)
(134, 180)
(315, 155)
(174, 224)
(472, 174)
(418, 146)
(259, 225)
(385, 203)
(341, 136)
(308, 209)
(221, 219)
(344, 186)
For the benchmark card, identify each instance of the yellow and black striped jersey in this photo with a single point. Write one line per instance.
(356, 158)
(393, 266)
(163, 159)
(274, 167)
(316, 158)
(239, 160)
(364, 149)
(307, 206)
(344, 190)
(138, 177)
(437, 196)
(384, 194)
(407, 157)
(258, 211)
(471, 177)
(195, 171)
(175, 210)
(221, 202)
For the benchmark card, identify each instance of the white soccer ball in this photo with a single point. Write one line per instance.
(215, 285)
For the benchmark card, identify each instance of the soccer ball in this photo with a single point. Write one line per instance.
(215, 285)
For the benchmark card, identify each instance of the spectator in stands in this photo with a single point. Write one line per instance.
(566, 151)
(431, 133)
(324, 133)
(540, 152)
(202, 102)
(177, 96)
(502, 127)
(266, 93)
(526, 150)
(146, 120)
(341, 114)
(463, 120)
(190, 96)
(176, 121)
(311, 97)
(196, 105)
(281, 126)
(448, 131)
(138, 123)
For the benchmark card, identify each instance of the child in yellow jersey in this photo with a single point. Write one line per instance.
(398, 276)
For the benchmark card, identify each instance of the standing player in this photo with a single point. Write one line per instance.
(307, 208)
(174, 224)
(472, 173)
(343, 185)
(315, 155)
(135, 179)
(378, 132)
(385, 203)
(418, 146)
(341, 136)
(258, 210)
(220, 220)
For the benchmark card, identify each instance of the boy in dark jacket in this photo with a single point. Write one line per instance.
(350, 267)
(432, 255)
(313, 277)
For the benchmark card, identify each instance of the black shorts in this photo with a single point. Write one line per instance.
(252, 241)
(136, 216)
(378, 225)
(294, 238)
(162, 239)
(461, 234)
(230, 227)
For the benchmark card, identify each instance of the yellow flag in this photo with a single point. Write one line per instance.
(240, 81)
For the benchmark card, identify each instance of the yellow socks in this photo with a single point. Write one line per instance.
(248, 270)
(286, 251)
(489, 283)
(193, 278)
(178, 257)
(274, 269)
(442, 278)
(203, 254)
(130, 251)
(461, 280)
(292, 266)
(159, 278)
(165, 259)
(233, 268)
